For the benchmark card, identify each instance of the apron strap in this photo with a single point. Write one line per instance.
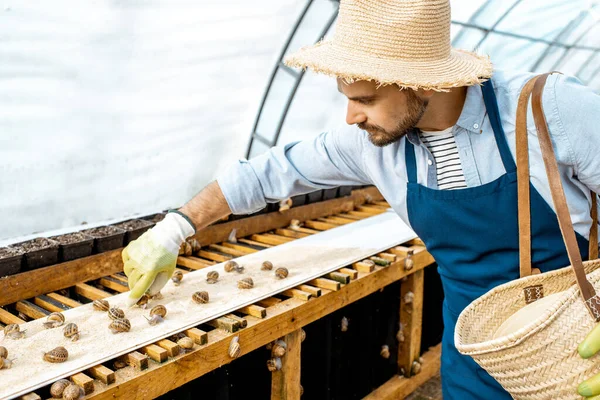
(491, 105)
(558, 196)
(411, 161)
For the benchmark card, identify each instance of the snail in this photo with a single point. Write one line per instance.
(116, 313)
(119, 364)
(267, 266)
(177, 277)
(71, 331)
(246, 283)
(3, 352)
(157, 314)
(212, 277)
(157, 296)
(234, 347)
(274, 364)
(185, 343)
(5, 364)
(302, 335)
(13, 331)
(344, 326)
(195, 245)
(285, 204)
(101, 305)
(120, 325)
(54, 320)
(295, 224)
(57, 355)
(58, 387)
(200, 297)
(281, 273)
(73, 392)
(279, 348)
(143, 301)
(385, 351)
(185, 249)
(233, 266)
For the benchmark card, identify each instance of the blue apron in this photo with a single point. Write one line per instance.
(473, 235)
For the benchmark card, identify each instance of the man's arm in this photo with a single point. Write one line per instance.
(207, 206)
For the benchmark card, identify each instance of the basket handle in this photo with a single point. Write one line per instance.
(536, 86)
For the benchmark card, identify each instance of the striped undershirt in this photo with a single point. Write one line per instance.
(442, 146)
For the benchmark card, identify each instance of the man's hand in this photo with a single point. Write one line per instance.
(151, 259)
(590, 346)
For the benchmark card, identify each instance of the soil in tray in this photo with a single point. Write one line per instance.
(71, 238)
(106, 238)
(10, 261)
(134, 228)
(74, 245)
(39, 252)
(103, 231)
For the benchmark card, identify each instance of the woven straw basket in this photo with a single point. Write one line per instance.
(540, 359)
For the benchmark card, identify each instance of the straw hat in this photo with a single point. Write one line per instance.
(406, 42)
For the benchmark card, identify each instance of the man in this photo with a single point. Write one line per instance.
(437, 137)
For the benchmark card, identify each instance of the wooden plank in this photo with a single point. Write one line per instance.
(114, 284)
(215, 256)
(362, 266)
(192, 262)
(240, 247)
(254, 310)
(63, 299)
(399, 387)
(315, 291)
(304, 230)
(172, 348)
(291, 233)
(225, 323)
(349, 216)
(339, 220)
(266, 222)
(49, 279)
(329, 221)
(360, 214)
(228, 250)
(411, 318)
(299, 294)
(268, 302)
(31, 310)
(338, 277)
(270, 239)
(285, 383)
(197, 335)
(283, 318)
(103, 374)
(7, 318)
(388, 256)
(243, 322)
(155, 352)
(91, 292)
(137, 360)
(83, 381)
(50, 304)
(255, 243)
(321, 226)
(352, 273)
(324, 283)
(370, 210)
(121, 278)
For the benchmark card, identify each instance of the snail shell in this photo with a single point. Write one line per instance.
(234, 348)
(73, 392)
(200, 297)
(385, 351)
(54, 320)
(344, 324)
(195, 245)
(185, 343)
(230, 266)
(58, 387)
(3, 352)
(71, 331)
(279, 348)
(159, 310)
(5, 364)
(143, 301)
(185, 249)
(267, 266)
(177, 277)
(120, 325)
(10, 328)
(212, 277)
(274, 364)
(101, 305)
(246, 283)
(116, 313)
(281, 273)
(57, 355)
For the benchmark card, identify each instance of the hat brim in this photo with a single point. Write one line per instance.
(461, 68)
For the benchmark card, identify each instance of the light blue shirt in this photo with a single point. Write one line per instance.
(346, 157)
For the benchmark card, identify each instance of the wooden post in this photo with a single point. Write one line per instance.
(285, 384)
(411, 320)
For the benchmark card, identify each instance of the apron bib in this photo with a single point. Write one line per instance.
(473, 234)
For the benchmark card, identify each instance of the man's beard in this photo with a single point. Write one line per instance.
(380, 137)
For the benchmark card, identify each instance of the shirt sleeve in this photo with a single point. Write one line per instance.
(577, 109)
(333, 158)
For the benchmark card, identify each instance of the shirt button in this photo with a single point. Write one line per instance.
(429, 162)
(475, 126)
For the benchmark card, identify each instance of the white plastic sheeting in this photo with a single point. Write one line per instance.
(111, 109)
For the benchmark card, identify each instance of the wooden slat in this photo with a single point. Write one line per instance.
(283, 318)
(84, 381)
(271, 239)
(215, 256)
(193, 262)
(137, 360)
(285, 383)
(400, 387)
(65, 300)
(291, 233)
(243, 322)
(370, 210)
(31, 310)
(103, 374)
(197, 335)
(349, 216)
(268, 302)
(225, 323)
(339, 220)
(254, 310)
(325, 284)
(299, 294)
(329, 221)
(353, 274)
(50, 304)
(240, 247)
(120, 278)
(360, 214)
(388, 256)
(7, 318)
(228, 250)
(315, 291)
(172, 348)
(304, 230)
(322, 226)
(411, 318)
(90, 292)
(255, 243)
(114, 284)
(338, 277)
(363, 267)
(155, 352)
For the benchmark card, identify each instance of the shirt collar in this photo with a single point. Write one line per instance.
(473, 112)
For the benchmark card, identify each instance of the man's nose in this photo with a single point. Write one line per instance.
(354, 115)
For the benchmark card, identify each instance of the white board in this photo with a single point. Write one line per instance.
(305, 258)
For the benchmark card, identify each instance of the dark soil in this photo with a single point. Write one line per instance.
(158, 217)
(7, 252)
(71, 238)
(133, 224)
(36, 244)
(103, 231)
